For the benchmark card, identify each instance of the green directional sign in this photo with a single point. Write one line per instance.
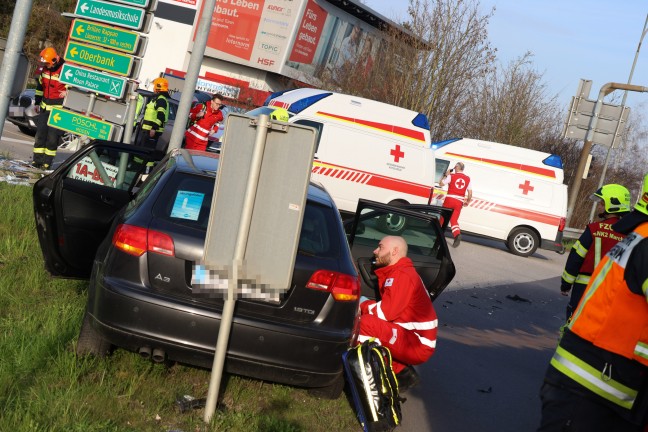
(94, 81)
(79, 124)
(140, 3)
(105, 36)
(99, 58)
(111, 13)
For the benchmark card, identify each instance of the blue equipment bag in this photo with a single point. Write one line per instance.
(373, 385)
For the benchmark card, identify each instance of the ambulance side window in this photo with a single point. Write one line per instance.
(317, 126)
(441, 167)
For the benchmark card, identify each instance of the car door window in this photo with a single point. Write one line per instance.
(421, 230)
(107, 167)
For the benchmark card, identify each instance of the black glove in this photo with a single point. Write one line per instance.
(565, 288)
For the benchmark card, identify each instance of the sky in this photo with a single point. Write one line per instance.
(570, 40)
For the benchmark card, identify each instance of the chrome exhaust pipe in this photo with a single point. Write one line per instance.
(145, 352)
(158, 355)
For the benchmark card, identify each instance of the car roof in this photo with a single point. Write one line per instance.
(206, 163)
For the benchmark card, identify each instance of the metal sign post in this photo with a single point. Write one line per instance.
(262, 179)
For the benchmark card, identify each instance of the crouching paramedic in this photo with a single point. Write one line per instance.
(404, 319)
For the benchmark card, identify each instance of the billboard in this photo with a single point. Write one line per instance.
(302, 39)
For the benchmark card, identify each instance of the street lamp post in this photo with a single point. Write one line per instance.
(616, 132)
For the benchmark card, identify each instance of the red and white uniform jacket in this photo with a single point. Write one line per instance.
(404, 301)
(198, 133)
(458, 186)
(50, 92)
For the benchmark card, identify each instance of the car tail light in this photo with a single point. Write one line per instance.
(343, 287)
(561, 225)
(136, 241)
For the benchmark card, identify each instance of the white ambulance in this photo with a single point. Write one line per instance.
(365, 149)
(518, 193)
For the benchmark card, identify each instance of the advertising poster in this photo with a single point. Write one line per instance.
(309, 33)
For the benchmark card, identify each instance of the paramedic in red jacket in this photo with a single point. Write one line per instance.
(404, 320)
(206, 123)
(458, 196)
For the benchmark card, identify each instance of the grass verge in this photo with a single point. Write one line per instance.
(45, 387)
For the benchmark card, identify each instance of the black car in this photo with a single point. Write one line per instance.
(96, 219)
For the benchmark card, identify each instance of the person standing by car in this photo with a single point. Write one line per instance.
(50, 92)
(459, 195)
(204, 123)
(597, 379)
(404, 319)
(613, 202)
(156, 114)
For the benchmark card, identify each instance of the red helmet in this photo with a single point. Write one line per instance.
(49, 57)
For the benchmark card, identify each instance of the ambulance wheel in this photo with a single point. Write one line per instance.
(523, 242)
(90, 341)
(330, 392)
(393, 224)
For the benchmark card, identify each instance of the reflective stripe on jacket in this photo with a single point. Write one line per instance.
(597, 239)
(610, 315)
(156, 114)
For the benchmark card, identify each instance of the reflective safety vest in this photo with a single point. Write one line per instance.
(152, 117)
(603, 237)
(457, 186)
(138, 109)
(614, 320)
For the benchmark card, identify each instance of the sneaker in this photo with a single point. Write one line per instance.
(407, 378)
(457, 240)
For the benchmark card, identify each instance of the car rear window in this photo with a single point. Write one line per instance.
(186, 200)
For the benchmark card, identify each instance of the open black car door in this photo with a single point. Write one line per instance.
(75, 205)
(421, 226)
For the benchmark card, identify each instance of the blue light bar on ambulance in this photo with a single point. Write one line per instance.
(439, 144)
(421, 121)
(274, 95)
(302, 104)
(553, 161)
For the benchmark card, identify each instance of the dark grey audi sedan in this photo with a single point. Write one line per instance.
(100, 217)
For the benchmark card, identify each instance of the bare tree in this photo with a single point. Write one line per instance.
(434, 68)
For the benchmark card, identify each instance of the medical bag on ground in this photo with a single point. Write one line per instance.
(373, 385)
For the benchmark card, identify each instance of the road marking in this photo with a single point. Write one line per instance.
(16, 140)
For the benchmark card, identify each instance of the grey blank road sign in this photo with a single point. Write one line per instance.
(580, 116)
(279, 205)
(109, 110)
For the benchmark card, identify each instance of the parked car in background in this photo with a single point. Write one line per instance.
(138, 243)
(22, 112)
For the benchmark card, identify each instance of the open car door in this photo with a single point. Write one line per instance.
(421, 226)
(75, 205)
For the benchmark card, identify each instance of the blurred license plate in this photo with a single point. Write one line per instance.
(16, 111)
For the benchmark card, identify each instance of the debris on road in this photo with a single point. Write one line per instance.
(19, 172)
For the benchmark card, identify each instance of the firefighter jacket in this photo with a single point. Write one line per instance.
(605, 349)
(458, 184)
(404, 301)
(197, 135)
(597, 239)
(156, 113)
(50, 92)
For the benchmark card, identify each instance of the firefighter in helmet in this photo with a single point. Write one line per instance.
(597, 380)
(156, 114)
(280, 114)
(50, 93)
(597, 239)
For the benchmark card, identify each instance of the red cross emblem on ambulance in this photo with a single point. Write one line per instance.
(526, 187)
(397, 153)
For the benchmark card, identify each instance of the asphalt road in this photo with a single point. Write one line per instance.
(498, 327)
